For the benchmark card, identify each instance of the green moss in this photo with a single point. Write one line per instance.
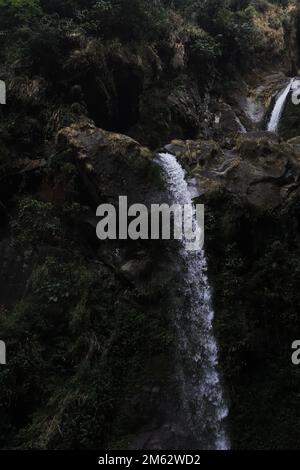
(36, 222)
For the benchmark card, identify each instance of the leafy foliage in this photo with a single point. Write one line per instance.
(15, 12)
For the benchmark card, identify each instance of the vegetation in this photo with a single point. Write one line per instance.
(255, 267)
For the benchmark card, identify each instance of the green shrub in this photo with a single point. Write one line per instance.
(134, 20)
(36, 223)
(14, 12)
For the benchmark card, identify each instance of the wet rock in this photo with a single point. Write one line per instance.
(254, 109)
(260, 169)
(133, 270)
(227, 121)
(255, 103)
(195, 153)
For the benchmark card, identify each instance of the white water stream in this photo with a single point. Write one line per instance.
(278, 108)
(202, 395)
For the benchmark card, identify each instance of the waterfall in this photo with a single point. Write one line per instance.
(278, 108)
(202, 400)
(243, 129)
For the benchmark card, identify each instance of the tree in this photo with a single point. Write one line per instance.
(15, 12)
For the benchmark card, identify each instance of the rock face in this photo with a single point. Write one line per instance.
(51, 261)
(259, 168)
(110, 164)
(167, 112)
(151, 94)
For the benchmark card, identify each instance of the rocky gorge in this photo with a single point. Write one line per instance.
(88, 325)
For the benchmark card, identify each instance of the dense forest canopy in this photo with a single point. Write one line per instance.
(216, 38)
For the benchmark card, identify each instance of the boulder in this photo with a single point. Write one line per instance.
(111, 164)
(227, 121)
(168, 112)
(260, 169)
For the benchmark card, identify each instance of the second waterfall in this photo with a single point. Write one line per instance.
(201, 394)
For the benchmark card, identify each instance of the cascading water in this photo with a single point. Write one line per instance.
(278, 108)
(203, 403)
(243, 129)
